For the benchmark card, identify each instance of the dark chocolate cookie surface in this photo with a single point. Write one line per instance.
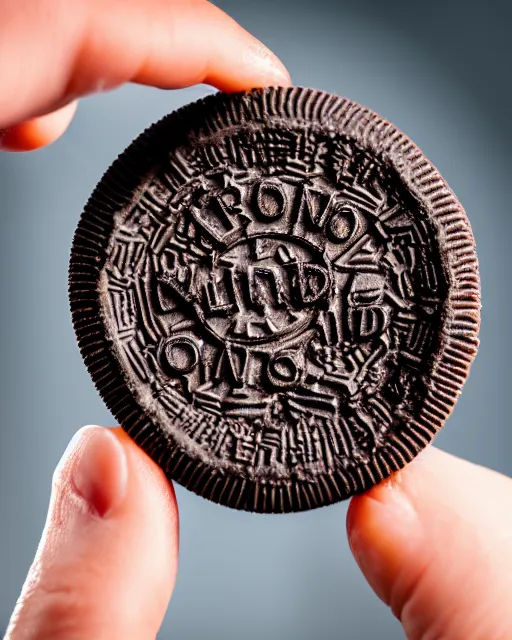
(277, 296)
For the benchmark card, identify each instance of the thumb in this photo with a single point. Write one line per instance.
(434, 542)
(106, 563)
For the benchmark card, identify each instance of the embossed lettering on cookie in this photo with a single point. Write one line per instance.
(277, 296)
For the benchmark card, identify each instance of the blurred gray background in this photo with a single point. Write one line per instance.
(440, 71)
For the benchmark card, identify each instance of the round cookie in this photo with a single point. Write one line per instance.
(277, 296)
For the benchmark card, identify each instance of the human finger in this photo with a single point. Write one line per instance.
(434, 542)
(38, 132)
(106, 564)
(55, 52)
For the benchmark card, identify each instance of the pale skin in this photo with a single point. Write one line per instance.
(434, 541)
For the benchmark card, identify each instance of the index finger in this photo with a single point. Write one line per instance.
(54, 52)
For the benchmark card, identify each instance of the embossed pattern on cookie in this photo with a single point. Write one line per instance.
(277, 296)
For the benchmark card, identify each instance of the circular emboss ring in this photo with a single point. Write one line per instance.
(277, 296)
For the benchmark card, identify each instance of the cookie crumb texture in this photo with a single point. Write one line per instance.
(277, 296)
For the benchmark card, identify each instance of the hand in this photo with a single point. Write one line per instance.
(434, 541)
(55, 51)
(107, 560)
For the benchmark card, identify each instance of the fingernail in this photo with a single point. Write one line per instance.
(98, 468)
(266, 64)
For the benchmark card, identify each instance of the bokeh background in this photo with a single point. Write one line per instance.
(440, 71)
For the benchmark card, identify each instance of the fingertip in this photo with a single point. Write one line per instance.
(99, 473)
(398, 492)
(106, 565)
(38, 132)
(265, 64)
(236, 60)
(258, 67)
(386, 531)
(412, 536)
(383, 527)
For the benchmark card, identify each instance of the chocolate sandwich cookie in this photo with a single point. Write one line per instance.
(277, 296)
